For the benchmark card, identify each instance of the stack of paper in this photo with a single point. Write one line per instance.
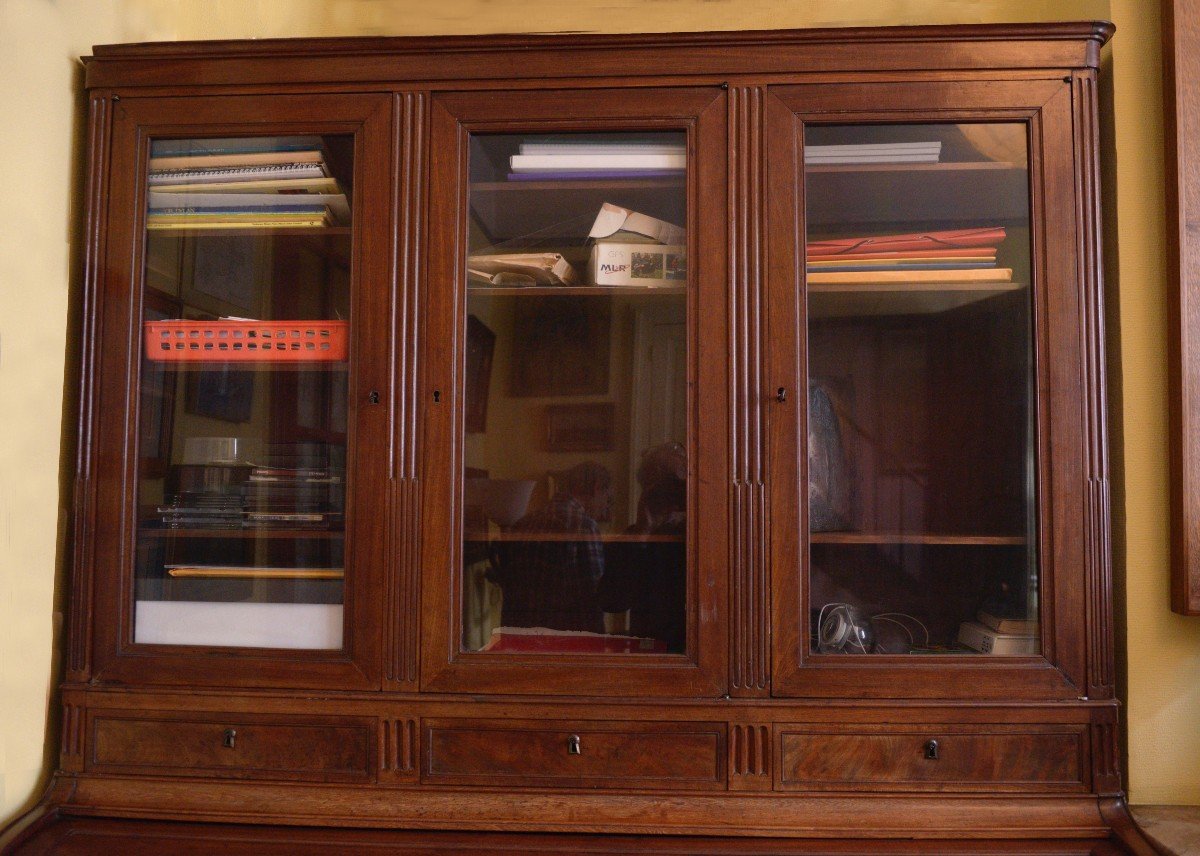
(588, 159)
(243, 183)
(521, 269)
(860, 153)
(955, 255)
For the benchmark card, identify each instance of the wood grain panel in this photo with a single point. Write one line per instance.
(830, 816)
(830, 760)
(592, 755)
(108, 837)
(321, 751)
(1181, 66)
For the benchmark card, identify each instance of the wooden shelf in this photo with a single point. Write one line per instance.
(244, 534)
(215, 572)
(251, 365)
(574, 537)
(916, 538)
(949, 166)
(840, 300)
(575, 290)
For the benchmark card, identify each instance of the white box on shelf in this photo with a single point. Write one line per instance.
(622, 263)
(239, 625)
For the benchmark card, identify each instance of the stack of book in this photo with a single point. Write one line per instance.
(861, 153)
(558, 160)
(992, 634)
(956, 255)
(207, 510)
(243, 183)
(294, 498)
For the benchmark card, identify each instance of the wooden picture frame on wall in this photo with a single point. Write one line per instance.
(1181, 103)
(561, 348)
(580, 427)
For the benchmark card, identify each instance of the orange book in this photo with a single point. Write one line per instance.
(923, 241)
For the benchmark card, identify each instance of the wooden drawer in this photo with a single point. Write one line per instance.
(1009, 758)
(239, 746)
(687, 755)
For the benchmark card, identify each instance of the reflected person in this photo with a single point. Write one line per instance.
(550, 581)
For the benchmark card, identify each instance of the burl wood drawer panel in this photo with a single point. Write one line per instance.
(902, 758)
(684, 755)
(237, 747)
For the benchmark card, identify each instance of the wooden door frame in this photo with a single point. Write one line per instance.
(700, 111)
(112, 457)
(1073, 563)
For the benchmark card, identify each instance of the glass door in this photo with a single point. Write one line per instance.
(242, 500)
(250, 348)
(922, 487)
(919, 416)
(580, 291)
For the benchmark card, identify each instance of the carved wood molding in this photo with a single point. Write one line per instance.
(398, 747)
(1106, 758)
(74, 717)
(403, 514)
(749, 757)
(1097, 517)
(84, 501)
(750, 589)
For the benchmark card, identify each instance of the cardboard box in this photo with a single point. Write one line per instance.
(621, 263)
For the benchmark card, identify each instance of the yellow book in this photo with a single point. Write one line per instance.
(274, 185)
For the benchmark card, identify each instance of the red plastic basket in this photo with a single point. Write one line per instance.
(246, 341)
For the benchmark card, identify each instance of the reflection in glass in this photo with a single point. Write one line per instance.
(575, 462)
(921, 429)
(242, 465)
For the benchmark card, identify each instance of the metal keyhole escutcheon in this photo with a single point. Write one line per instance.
(573, 745)
(931, 750)
(229, 738)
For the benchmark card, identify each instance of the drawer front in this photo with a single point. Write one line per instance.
(903, 758)
(237, 747)
(687, 756)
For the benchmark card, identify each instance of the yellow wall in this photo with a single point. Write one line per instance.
(41, 186)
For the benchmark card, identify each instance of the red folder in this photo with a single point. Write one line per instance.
(922, 241)
(953, 253)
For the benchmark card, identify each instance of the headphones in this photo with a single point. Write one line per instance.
(844, 629)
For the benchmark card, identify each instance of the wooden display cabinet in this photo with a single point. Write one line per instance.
(611, 435)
